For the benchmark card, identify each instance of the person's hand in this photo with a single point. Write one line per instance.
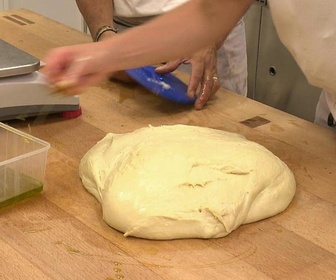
(203, 81)
(72, 69)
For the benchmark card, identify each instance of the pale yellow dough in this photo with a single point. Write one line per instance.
(179, 181)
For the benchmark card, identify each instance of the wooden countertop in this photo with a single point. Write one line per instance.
(60, 234)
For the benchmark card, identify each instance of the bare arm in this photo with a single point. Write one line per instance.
(96, 14)
(163, 39)
(168, 37)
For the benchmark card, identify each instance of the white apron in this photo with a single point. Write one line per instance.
(144, 8)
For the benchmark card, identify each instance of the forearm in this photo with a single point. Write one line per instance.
(189, 28)
(96, 13)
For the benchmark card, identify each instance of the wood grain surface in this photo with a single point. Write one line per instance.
(60, 234)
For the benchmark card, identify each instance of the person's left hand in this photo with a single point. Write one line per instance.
(203, 81)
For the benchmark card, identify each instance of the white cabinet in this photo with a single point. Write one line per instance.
(64, 11)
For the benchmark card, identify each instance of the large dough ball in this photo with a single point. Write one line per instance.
(181, 181)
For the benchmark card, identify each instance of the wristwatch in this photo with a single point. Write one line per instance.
(103, 29)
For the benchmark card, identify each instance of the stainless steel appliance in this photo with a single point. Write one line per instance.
(24, 91)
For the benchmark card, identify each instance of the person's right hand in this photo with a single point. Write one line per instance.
(72, 69)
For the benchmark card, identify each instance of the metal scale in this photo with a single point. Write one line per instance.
(24, 91)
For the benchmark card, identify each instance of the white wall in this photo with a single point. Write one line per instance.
(2, 5)
(64, 11)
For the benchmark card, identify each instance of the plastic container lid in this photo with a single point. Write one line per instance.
(167, 86)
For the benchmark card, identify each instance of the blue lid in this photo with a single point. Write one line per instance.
(167, 86)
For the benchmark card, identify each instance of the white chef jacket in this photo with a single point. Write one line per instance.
(308, 29)
(144, 8)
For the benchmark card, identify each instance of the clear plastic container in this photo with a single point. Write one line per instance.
(23, 160)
